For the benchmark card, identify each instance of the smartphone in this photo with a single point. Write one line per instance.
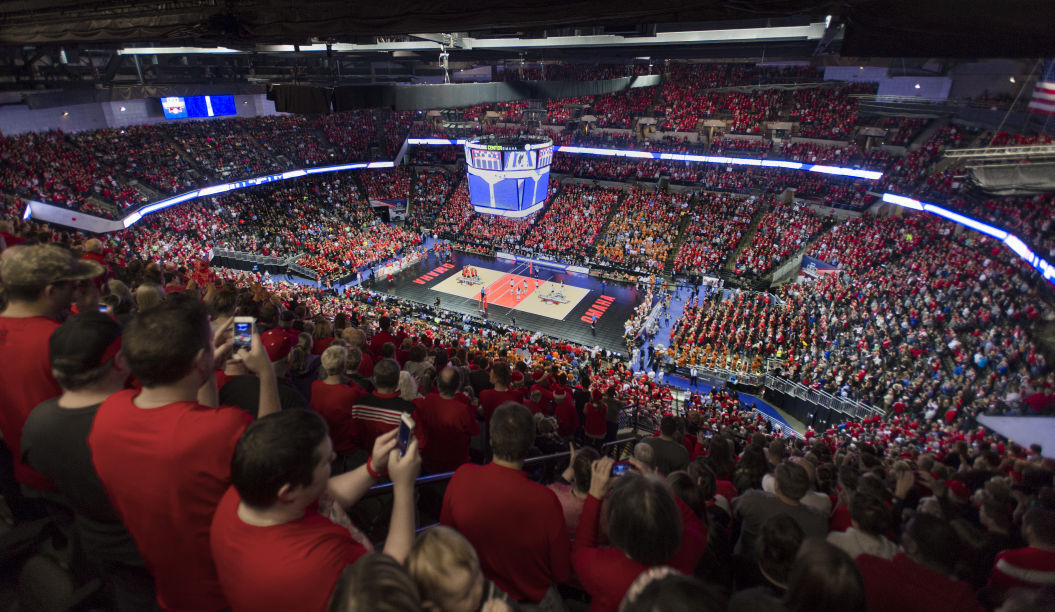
(243, 332)
(102, 308)
(406, 429)
(621, 468)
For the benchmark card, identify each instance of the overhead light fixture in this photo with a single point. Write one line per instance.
(1012, 79)
(122, 109)
(860, 67)
(174, 50)
(66, 113)
(917, 85)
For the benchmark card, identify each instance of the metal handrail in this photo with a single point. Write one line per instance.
(383, 487)
(842, 405)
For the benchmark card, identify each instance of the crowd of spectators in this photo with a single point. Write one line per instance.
(845, 156)
(900, 131)
(572, 220)
(828, 113)
(54, 167)
(935, 328)
(143, 153)
(294, 137)
(227, 149)
(784, 229)
(455, 212)
(642, 231)
(387, 184)
(941, 329)
(428, 197)
(495, 231)
(712, 512)
(716, 224)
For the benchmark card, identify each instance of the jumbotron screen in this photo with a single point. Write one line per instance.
(508, 176)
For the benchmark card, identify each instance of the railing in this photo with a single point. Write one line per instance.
(372, 512)
(726, 376)
(843, 405)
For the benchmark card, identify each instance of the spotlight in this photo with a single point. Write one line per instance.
(122, 109)
(66, 113)
(917, 85)
(1012, 79)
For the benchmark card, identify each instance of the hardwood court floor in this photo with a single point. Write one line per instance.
(429, 279)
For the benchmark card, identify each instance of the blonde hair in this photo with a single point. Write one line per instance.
(353, 336)
(148, 295)
(435, 553)
(408, 386)
(334, 360)
(375, 583)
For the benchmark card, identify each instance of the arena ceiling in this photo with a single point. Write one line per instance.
(62, 44)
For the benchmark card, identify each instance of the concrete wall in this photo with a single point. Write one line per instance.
(20, 119)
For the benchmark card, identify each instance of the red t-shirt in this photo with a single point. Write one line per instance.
(903, 584)
(366, 366)
(517, 527)
(567, 417)
(25, 381)
(320, 346)
(292, 566)
(490, 400)
(334, 403)
(165, 470)
(595, 425)
(448, 426)
(693, 540)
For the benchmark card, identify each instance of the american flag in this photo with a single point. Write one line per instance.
(1043, 100)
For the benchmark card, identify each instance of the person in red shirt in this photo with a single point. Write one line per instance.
(517, 526)
(163, 453)
(272, 540)
(564, 410)
(333, 400)
(595, 413)
(357, 339)
(382, 337)
(39, 284)
(378, 412)
(921, 577)
(644, 527)
(491, 399)
(448, 424)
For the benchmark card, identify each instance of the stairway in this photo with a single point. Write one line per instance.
(608, 221)
(927, 132)
(668, 265)
(198, 168)
(768, 276)
(745, 239)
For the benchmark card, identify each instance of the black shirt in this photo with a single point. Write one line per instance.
(244, 392)
(55, 443)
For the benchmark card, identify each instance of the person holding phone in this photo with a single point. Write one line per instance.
(172, 435)
(272, 547)
(644, 528)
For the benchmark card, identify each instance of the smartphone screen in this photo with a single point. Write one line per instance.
(243, 334)
(102, 307)
(619, 469)
(406, 428)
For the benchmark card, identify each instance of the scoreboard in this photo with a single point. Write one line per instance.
(510, 176)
